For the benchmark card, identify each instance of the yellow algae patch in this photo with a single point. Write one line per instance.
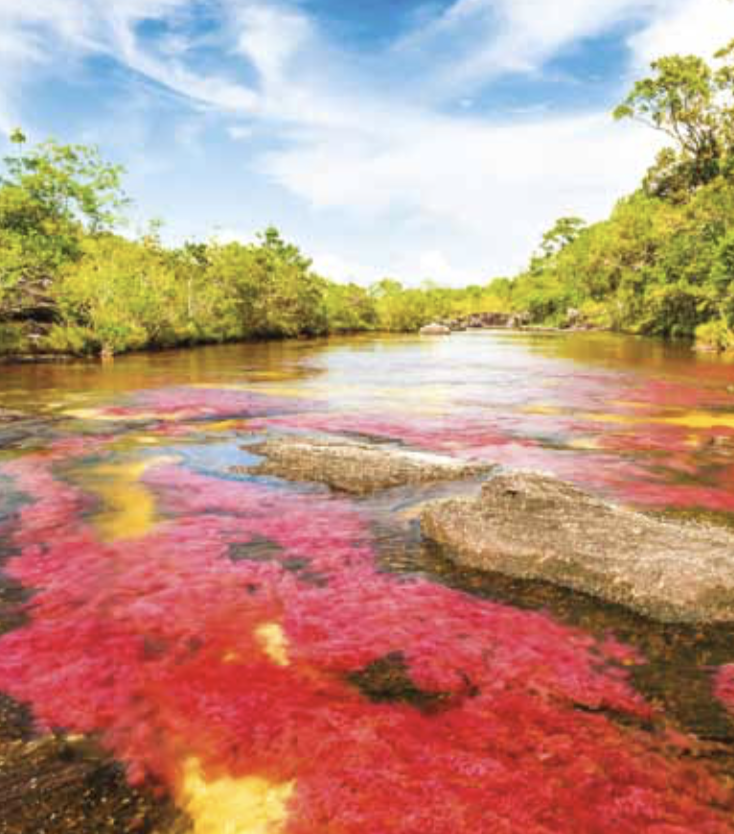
(631, 404)
(584, 443)
(273, 640)
(258, 388)
(222, 425)
(129, 507)
(231, 657)
(250, 805)
(701, 420)
(622, 419)
(552, 410)
(687, 419)
(90, 414)
(139, 416)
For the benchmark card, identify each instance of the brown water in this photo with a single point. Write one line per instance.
(119, 495)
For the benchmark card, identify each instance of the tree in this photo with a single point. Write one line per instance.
(691, 103)
(50, 197)
(565, 231)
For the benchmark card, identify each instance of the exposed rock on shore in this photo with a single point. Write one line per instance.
(435, 330)
(356, 467)
(533, 526)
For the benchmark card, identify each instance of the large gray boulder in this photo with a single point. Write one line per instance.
(355, 467)
(534, 526)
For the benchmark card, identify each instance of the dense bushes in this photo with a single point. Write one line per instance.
(663, 263)
(70, 283)
(653, 267)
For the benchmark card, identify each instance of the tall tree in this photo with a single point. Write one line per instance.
(691, 103)
(50, 197)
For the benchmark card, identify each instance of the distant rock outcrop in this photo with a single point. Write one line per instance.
(534, 526)
(435, 330)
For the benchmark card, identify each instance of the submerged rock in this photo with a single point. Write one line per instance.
(356, 467)
(55, 784)
(534, 526)
(435, 329)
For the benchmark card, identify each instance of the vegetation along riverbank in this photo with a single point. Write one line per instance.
(662, 264)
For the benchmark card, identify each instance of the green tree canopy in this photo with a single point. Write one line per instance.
(51, 196)
(691, 103)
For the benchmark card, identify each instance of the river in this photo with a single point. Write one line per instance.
(187, 646)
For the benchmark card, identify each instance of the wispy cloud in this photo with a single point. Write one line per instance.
(367, 135)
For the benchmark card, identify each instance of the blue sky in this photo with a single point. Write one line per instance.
(386, 137)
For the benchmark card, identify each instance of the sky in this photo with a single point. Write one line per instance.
(416, 139)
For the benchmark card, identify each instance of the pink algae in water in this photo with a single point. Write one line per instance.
(189, 403)
(397, 706)
(724, 686)
(433, 434)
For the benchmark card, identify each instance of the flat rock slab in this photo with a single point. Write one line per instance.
(534, 526)
(356, 467)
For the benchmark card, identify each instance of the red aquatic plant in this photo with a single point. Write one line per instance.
(394, 705)
(184, 403)
(724, 686)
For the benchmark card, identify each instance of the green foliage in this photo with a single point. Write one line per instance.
(125, 295)
(691, 103)
(51, 197)
(349, 309)
(715, 336)
(663, 263)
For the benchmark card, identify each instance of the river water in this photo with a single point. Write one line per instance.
(187, 646)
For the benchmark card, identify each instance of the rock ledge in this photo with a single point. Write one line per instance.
(534, 526)
(356, 467)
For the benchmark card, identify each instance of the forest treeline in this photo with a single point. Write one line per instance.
(71, 283)
(662, 264)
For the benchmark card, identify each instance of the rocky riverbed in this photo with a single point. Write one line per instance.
(534, 526)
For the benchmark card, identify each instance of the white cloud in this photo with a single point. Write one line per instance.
(491, 37)
(470, 195)
(345, 270)
(37, 33)
(491, 187)
(271, 38)
(698, 27)
(494, 188)
(240, 132)
(410, 268)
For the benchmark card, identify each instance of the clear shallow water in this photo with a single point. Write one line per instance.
(278, 658)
